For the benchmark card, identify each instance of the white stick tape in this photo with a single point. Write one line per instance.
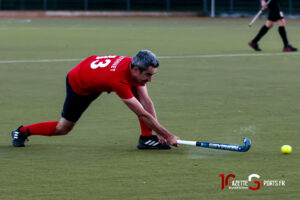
(191, 143)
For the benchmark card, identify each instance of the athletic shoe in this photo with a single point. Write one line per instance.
(254, 46)
(151, 143)
(289, 47)
(19, 138)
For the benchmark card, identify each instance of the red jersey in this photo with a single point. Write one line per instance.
(98, 74)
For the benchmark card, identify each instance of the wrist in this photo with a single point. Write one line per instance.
(169, 137)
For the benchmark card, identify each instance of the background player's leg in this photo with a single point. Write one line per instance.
(264, 29)
(282, 32)
(283, 35)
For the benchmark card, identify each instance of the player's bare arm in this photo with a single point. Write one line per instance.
(145, 100)
(151, 121)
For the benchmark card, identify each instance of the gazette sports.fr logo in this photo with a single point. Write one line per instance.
(252, 183)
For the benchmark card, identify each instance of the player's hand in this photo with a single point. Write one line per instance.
(172, 140)
(264, 5)
(161, 139)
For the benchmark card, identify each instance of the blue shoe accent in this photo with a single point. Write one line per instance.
(18, 138)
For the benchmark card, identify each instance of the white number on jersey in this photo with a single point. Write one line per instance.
(101, 61)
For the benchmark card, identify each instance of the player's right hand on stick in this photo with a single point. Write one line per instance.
(172, 140)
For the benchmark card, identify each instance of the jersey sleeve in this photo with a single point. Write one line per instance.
(123, 90)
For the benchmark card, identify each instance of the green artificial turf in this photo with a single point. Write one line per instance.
(224, 98)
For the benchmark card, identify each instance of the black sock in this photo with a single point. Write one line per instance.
(282, 32)
(260, 34)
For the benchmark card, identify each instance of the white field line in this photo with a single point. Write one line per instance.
(39, 61)
(160, 57)
(229, 55)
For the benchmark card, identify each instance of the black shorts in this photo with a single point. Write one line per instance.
(275, 14)
(76, 104)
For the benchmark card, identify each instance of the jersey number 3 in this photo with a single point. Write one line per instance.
(101, 61)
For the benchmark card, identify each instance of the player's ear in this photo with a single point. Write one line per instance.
(135, 69)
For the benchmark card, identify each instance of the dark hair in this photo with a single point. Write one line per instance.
(144, 59)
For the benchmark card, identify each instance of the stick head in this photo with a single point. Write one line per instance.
(247, 145)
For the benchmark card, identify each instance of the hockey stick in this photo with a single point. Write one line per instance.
(258, 14)
(228, 147)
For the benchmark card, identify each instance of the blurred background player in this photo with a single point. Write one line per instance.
(96, 74)
(275, 15)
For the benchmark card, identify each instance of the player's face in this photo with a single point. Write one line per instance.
(142, 77)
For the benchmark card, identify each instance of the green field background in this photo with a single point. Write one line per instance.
(214, 99)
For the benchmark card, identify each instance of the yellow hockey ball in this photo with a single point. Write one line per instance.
(286, 149)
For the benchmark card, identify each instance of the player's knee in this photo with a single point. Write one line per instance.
(269, 24)
(281, 22)
(63, 130)
(64, 126)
